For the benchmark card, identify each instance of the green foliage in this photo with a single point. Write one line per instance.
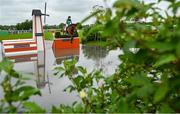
(90, 33)
(26, 25)
(7, 27)
(146, 81)
(33, 107)
(48, 36)
(16, 93)
(62, 25)
(58, 35)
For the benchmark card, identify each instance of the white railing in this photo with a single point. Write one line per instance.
(19, 31)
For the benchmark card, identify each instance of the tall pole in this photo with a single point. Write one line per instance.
(45, 13)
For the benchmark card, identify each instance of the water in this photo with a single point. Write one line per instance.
(52, 86)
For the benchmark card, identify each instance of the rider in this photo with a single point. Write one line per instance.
(68, 21)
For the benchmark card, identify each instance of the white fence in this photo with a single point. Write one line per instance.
(19, 31)
(25, 31)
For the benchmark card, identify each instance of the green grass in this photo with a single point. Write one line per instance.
(48, 36)
(97, 43)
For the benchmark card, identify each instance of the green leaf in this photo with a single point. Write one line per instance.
(123, 106)
(166, 109)
(78, 107)
(90, 91)
(123, 4)
(138, 80)
(55, 110)
(59, 69)
(65, 109)
(114, 96)
(32, 107)
(161, 92)
(178, 49)
(128, 45)
(78, 80)
(126, 49)
(161, 46)
(70, 88)
(6, 65)
(145, 90)
(82, 70)
(164, 59)
(97, 75)
(14, 74)
(90, 16)
(24, 92)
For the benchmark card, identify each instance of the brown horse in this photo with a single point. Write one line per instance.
(71, 31)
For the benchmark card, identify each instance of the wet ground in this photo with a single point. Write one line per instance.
(52, 86)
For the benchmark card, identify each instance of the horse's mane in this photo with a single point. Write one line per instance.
(73, 24)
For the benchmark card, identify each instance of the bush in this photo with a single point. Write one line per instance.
(148, 79)
(88, 35)
(58, 35)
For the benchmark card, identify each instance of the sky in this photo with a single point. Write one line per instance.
(15, 11)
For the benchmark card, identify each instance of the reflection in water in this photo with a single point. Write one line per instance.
(94, 52)
(97, 54)
(38, 60)
(65, 54)
(40, 71)
(37, 68)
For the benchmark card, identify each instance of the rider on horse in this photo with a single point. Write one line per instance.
(70, 29)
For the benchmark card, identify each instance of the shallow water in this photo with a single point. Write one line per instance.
(52, 86)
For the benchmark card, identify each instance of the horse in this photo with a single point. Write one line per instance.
(71, 31)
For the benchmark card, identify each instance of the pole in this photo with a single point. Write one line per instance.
(45, 13)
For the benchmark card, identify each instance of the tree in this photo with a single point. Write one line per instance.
(26, 25)
(61, 26)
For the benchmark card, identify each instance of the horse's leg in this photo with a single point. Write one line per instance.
(72, 37)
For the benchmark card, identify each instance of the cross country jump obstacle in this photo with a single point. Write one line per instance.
(69, 40)
(29, 50)
(19, 47)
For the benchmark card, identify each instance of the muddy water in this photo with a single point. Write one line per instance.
(52, 86)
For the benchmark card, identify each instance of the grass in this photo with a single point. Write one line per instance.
(48, 36)
(97, 43)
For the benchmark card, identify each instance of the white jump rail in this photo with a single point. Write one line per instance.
(27, 46)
